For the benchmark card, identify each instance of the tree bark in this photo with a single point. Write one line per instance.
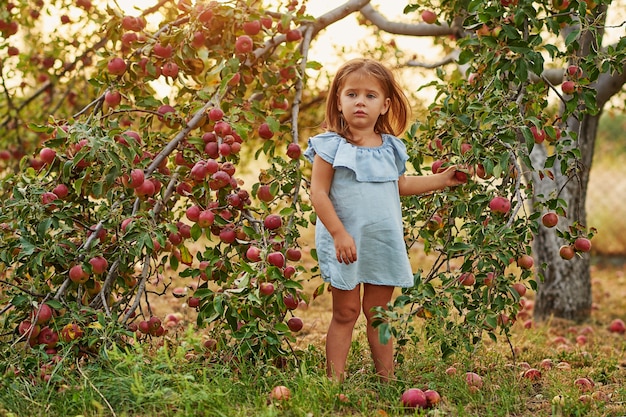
(565, 291)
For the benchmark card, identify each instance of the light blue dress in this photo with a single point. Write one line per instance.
(364, 192)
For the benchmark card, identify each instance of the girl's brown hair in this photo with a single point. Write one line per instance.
(394, 121)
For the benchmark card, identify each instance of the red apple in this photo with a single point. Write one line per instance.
(252, 27)
(44, 314)
(474, 380)
(295, 324)
(550, 219)
(264, 193)
(26, 327)
(193, 213)
(429, 16)
(567, 252)
(294, 151)
(293, 254)
(266, 288)
(266, 21)
(538, 134)
(48, 337)
(61, 191)
(272, 221)
(280, 393)
(146, 189)
(99, 264)
(206, 218)
(113, 98)
(290, 301)
(500, 205)
(289, 271)
(460, 176)
(432, 398)
(617, 326)
(47, 155)
(574, 71)
(519, 288)
(582, 244)
(467, 279)
(525, 261)
(244, 44)
(137, 178)
(170, 69)
(434, 223)
(78, 275)
(116, 66)
(436, 166)
(193, 302)
(414, 398)
(532, 373)
(584, 384)
(47, 198)
(216, 114)
(293, 35)
(276, 259)
(484, 30)
(162, 51)
(227, 235)
(568, 87)
(465, 148)
(489, 278)
(265, 131)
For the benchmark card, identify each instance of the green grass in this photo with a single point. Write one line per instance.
(175, 377)
(174, 380)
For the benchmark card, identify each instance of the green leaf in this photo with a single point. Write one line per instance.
(384, 333)
(466, 56)
(572, 36)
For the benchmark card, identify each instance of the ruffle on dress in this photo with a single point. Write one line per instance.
(378, 164)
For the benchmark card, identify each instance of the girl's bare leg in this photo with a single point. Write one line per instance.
(382, 354)
(346, 310)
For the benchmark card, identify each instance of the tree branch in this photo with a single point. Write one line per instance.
(408, 29)
(448, 59)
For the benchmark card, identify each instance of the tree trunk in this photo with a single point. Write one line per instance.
(565, 291)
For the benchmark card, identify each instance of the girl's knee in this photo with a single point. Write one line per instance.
(346, 315)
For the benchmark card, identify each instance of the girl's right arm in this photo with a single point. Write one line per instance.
(321, 179)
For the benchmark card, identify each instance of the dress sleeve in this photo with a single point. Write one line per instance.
(379, 164)
(400, 153)
(325, 145)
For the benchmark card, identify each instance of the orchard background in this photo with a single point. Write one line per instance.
(154, 196)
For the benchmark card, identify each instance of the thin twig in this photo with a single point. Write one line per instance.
(95, 389)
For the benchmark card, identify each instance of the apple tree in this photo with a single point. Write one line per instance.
(144, 150)
(169, 140)
(519, 96)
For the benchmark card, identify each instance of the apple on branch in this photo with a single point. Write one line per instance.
(428, 16)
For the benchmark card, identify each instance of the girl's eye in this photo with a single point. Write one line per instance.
(371, 95)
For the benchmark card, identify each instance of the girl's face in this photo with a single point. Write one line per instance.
(362, 100)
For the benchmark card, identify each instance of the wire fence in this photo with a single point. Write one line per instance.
(606, 208)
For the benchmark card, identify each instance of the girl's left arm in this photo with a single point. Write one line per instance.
(420, 184)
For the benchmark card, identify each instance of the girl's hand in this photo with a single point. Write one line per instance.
(456, 175)
(345, 248)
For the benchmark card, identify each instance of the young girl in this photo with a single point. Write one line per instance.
(356, 184)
